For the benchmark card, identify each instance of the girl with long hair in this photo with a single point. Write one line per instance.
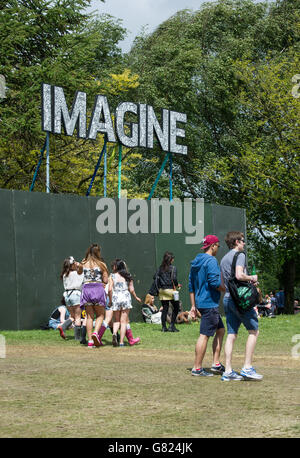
(93, 297)
(71, 276)
(167, 282)
(120, 289)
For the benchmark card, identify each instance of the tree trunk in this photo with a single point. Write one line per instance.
(289, 269)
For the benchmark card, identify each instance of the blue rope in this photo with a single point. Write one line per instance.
(158, 176)
(39, 164)
(97, 167)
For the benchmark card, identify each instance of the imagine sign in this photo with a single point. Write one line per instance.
(55, 113)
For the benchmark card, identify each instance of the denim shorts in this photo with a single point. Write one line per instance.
(53, 323)
(210, 321)
(72, 297)
(234, 319)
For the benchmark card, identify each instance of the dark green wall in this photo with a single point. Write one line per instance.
(39, 230)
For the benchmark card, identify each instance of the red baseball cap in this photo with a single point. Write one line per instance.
(209, 240)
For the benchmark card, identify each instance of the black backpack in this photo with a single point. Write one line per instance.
(244, 294)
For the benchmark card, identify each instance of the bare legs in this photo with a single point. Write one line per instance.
(201, 346)
(250, 347)
(91, 311)
(121, 319)
(75, 313)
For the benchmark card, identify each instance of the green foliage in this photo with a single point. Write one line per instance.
(229, 66)
(58, 43)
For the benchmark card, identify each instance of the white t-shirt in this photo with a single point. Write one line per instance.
(73, 280)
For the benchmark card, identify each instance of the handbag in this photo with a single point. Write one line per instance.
(244, 294)
(156, 318)
(154, 289)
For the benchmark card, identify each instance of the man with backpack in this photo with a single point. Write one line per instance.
(234, 318)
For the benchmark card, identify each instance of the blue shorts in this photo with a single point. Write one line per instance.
(210, 321)
(234, 319)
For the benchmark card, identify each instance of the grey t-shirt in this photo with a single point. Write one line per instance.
(226, 263)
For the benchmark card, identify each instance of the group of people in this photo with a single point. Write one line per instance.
(105, 299)
(269, 305)
(207, 279)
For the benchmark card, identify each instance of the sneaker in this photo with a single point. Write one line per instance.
(115, 340)
(251, 374)
(218, 369)
(231, 376)
(201, 372)
(91, 344)
(122, 345)
(96, 340)
(62, 334)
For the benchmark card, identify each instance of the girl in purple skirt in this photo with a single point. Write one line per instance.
(93, 297)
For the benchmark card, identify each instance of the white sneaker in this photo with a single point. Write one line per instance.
(251, 374)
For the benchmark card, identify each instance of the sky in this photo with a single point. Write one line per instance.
(137, 13)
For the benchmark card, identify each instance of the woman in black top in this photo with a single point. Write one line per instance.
(167, 281)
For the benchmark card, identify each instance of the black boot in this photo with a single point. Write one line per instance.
(118, 335)
(172, 328)
(164, 320)
(77, 330)
(175, 305)
(83, 340)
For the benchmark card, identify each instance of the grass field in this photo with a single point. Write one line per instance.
(55, 388)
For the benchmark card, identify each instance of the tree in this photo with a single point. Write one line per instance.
(216, 65)
(55, 42)
(269, 163)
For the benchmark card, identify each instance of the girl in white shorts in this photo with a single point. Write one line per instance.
(120, 288)
(72, 277)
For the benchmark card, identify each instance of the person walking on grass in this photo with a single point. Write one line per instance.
(120, 289)
(236, 243)
(93, 297)
(205, 286)
(108, 323)
(72, 277)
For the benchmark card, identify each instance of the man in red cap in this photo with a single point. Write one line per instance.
(205, 286)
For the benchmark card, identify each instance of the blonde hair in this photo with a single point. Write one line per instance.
(148, 299)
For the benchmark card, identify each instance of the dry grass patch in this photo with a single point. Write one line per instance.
(71, 391)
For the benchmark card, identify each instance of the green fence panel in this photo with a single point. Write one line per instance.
(40, 230)
(8, 280)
